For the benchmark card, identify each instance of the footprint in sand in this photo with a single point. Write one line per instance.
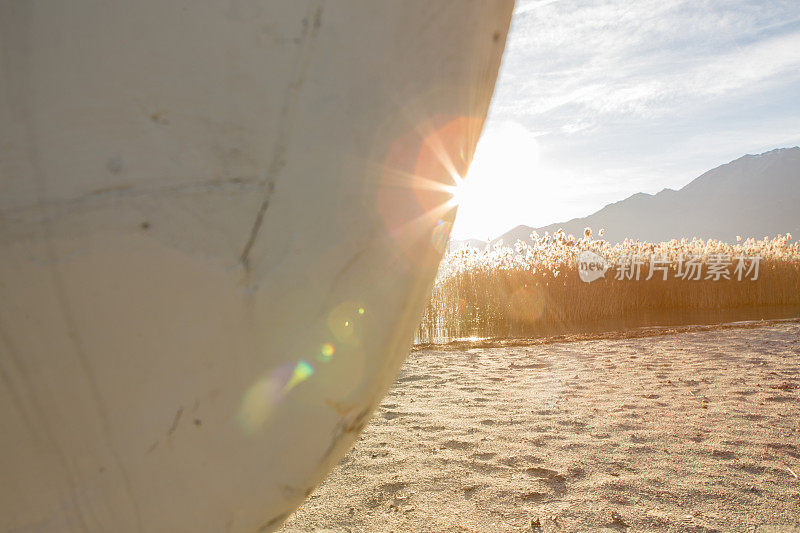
(540, 472)
(533, 496)
(453, 444)
(392, 487)
(750, 468)
(723, 454)
(413, 377)
(779, 399)
(573, 424)
(484, 456)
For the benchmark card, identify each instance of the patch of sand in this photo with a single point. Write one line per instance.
(695, 431)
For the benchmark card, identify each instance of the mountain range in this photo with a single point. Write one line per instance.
(753, 196)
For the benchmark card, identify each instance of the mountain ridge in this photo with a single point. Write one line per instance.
(754, 195)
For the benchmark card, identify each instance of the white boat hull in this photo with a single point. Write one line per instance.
(216, 240)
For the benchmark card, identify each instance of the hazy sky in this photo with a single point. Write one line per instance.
(599, 100)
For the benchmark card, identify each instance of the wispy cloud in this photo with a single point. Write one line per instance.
(644, 58)
(646, 94)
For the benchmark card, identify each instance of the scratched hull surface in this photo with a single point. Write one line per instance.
(219, 224)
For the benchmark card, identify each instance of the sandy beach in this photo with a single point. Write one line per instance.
(691, 431)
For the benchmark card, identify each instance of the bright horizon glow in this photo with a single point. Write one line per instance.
(504, 179)
(598, 101)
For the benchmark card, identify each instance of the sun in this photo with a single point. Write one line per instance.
(503, 185)
(458, 191)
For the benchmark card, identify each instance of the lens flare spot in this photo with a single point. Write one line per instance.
(441, 232)
(302, 371)
(258, 403)
(527, 305)
(326, 352)
(341, 323)
(422, 172)
(361, 311)
(262, 397)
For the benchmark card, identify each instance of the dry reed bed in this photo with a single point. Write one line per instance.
(535, 289)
